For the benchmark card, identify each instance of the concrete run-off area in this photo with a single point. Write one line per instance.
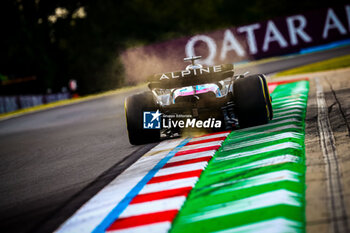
(327, 144)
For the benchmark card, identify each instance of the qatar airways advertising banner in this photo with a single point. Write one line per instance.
(247, 42)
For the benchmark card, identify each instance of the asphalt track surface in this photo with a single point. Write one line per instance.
(54, 160)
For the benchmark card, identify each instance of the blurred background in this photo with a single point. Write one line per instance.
(46, 43)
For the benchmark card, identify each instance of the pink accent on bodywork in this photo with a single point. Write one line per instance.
(205, 90)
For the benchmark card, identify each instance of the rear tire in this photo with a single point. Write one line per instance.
(134, 107)
(252, 101)
(269, 100)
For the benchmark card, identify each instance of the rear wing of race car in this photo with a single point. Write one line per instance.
(190, 77)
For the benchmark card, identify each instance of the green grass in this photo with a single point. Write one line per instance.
(331, 64)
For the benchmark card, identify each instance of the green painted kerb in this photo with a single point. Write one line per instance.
(256, 180)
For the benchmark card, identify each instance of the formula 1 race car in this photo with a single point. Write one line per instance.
(207, 97)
